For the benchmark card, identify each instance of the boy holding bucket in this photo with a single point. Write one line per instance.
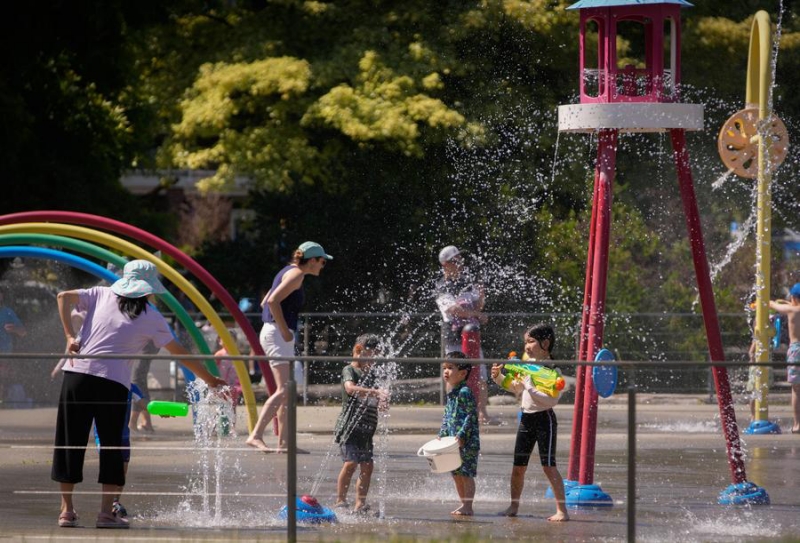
(461, 420)
(537, 425)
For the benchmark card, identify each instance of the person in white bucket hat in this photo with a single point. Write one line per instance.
(118, 321)
(139, 279)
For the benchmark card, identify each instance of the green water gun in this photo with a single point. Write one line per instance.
(544, 379)
(168, 409)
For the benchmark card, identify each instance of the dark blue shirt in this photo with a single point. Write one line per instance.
(290, 306)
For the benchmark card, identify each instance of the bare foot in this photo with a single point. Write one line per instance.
(258, 443)
(462, 511)
(510, 512)
(559, 517)
(283, 450)
(490, 422)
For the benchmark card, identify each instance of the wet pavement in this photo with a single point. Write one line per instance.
(230, 492)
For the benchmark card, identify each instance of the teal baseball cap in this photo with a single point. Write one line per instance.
(311, 249)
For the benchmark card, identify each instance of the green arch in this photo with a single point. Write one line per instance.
(107, 256)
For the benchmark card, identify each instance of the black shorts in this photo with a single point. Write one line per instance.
(541, 428)
(358, 448)
(86, 398)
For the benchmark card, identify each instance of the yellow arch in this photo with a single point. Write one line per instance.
(759, 65)
(167, 271)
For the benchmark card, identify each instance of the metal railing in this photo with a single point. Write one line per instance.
(632, 369)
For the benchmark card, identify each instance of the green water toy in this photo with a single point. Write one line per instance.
(544, 379)
(168, 409)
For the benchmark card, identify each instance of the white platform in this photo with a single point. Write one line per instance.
(630, 117)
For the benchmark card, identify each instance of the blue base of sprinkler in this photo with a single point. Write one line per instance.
(762, 427)
(568, 485)
(309, 511)
(744, 494)
(588, 496)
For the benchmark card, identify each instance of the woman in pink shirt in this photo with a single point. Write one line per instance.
(118, 321)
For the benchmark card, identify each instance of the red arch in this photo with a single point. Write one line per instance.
(96, 221)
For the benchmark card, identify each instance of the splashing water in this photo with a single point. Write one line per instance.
(381, 376)
(214, 424)
(739, 238)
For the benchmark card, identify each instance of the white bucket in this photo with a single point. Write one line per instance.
(442, 454)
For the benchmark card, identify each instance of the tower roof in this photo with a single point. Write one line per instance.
(611, 3)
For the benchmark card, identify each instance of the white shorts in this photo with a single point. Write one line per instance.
(274, 345)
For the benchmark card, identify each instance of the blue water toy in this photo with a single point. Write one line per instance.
(588, 496)
(604, 377)
(309, 511)
(745, 493)
(776, 340)
(759, 427)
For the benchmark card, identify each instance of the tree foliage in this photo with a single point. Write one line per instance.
(384, 130)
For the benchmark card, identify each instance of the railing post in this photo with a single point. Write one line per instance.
(306, 342)
(710, 384)
(442, 353)
(632, 456)
(291, 461)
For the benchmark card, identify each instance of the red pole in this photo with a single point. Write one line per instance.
(471, 347)
(606, 163)
(580, 378)
(714, 338)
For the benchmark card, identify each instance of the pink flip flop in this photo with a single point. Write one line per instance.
(68, 519)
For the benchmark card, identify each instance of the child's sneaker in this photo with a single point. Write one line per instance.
(106, 520)
(119, 510)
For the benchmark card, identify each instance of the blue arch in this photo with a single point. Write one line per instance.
(42, 253)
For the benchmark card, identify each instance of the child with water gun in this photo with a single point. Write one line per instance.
(538, 422)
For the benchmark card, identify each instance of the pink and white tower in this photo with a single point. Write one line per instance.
(640, 97)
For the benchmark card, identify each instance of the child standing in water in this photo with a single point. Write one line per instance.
(792, 311)
(461, 420)
(537, 425)
(357, 422)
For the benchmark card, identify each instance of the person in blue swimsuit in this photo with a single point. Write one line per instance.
(461, 420)
(792, 311)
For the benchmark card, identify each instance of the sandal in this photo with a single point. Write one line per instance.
(108, 520)
(68, 519)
